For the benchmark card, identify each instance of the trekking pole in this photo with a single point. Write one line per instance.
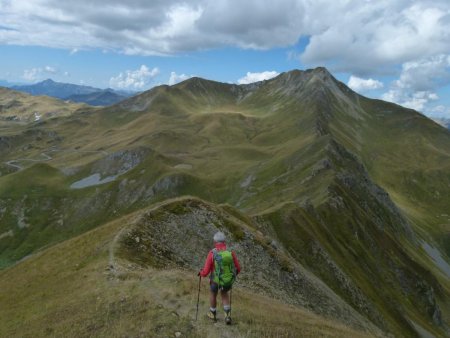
(198, 296)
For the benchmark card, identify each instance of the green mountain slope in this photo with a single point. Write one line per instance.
(354, 191)
(107, 283)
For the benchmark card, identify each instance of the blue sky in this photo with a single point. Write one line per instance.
(396, 50)
(96, 67)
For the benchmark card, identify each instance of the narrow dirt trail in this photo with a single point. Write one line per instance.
(15, 162)
(180, 299)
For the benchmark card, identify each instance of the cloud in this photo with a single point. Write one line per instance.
(38, 73)
(439, 112)
(152, 27)
(134, 79)
(425, 74)
(361, 85)
(365, 37)
(293, 55)
(253, 24)
(51, 70)
(31, 74)
(175, 78)
(418, 82)
(361, 37)
(255, 77)
(413, 100)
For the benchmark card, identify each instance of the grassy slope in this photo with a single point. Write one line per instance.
(23, 106)
(274, 140)
(41, 188)
(67, 290)
(417, 169)
(224, 145)
(408, 155)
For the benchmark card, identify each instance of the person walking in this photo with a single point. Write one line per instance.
(222, 266)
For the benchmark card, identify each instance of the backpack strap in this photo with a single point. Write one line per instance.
(214, 253)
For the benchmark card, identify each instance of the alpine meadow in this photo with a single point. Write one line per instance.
(336, 204)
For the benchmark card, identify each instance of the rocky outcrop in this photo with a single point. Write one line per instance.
(120, 162)
(179, 234)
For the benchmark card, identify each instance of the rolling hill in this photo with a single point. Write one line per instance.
(343, 199)
(19, 107)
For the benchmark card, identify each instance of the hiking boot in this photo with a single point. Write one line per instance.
(227, 318)
(212, 315)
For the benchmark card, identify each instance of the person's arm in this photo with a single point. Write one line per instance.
(236, 263)
(208, 265)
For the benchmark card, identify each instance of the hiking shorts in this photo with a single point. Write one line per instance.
(215, 288)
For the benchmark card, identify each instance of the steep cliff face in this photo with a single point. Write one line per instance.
(357, 242)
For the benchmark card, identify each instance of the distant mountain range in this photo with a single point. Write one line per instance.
(8, 84)
(76, 93)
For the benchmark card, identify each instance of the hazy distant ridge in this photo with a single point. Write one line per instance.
(77, 93)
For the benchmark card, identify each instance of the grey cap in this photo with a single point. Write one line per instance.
(219, 237)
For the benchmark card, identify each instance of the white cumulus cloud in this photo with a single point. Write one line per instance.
(439, 112)
(134, 79)
(175, 78)
(255, 77)
(361, 37)
(360, 85)
(38, 73)
(418, 82)
(414, 100)
(31, 74)
(365, 37)
(50, 69)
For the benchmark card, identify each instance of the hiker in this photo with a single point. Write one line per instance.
(223, 267)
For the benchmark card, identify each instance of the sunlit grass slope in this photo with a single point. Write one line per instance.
(351, 187)
(71, 290)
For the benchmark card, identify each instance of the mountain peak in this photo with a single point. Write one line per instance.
(320, 70)
(47, 82)
(321, 73)
(314, 71)
(307, 83)
(300, 76)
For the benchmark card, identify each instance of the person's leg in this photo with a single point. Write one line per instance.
(226, 305)
(225, 297)
(213, 301)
